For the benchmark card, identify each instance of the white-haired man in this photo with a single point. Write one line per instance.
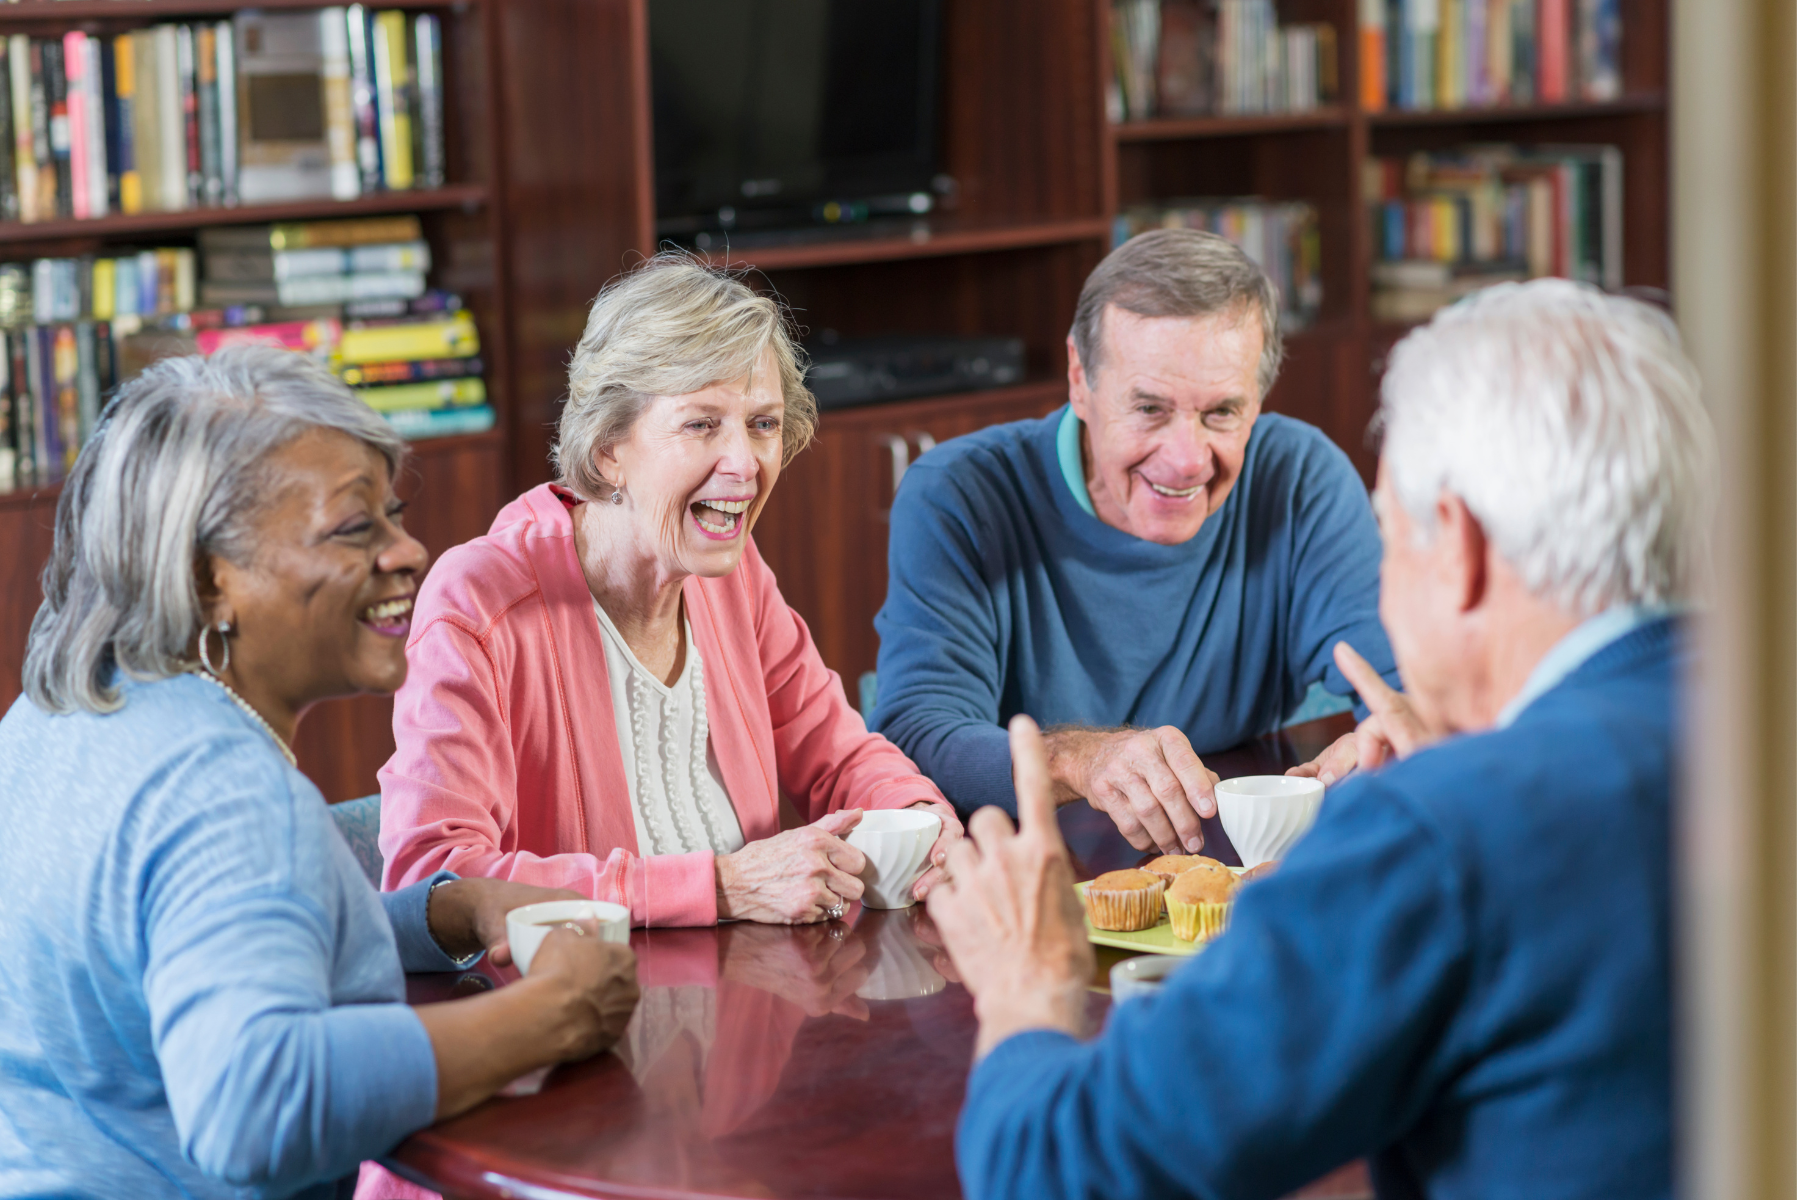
(1158, 568)
(1463, 972)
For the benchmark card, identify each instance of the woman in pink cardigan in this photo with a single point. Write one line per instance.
(607, 691)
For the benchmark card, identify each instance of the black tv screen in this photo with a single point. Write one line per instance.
(788, 112)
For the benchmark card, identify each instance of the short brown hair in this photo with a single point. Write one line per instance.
(1178, 273)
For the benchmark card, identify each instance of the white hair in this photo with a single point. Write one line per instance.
(173, 474)
(1570, 423)
(673, 325)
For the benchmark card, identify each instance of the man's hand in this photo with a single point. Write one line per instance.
(1391, 730)
(948, 835)
(466, 915)
(1149, 781)
(1009, 915)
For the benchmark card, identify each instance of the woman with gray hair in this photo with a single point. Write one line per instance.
(608, 692)
(205, 996)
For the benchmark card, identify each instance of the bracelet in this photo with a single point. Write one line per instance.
(432, 933)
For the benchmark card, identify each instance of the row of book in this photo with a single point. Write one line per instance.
(1424, 54)
(265, 107)
(1176, 58)
(1281, 237)
(1446, 224)
(312, 263)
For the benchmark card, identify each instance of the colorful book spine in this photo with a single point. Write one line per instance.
(1553, 51)
(372, 374)
(1371, 42)
(171, 124)
(56, 107)
(392, 85)
(18, 62)
(363, 96)
(207, 96)
(340, 109)
(225, 52)
(428, 58)
(9, 180)
(188, 89)
(415, 424)
(427, 394)
(452, 337)
(74, 53)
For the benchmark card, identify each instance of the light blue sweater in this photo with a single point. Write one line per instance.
(201, 995)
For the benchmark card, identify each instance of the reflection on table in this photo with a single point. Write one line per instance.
(817, 1061)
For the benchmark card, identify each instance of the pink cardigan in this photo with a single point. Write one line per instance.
(506, 760)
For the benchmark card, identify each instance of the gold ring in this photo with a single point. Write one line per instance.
(573, 928)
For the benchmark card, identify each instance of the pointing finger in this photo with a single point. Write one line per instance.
(1031, 781)
(1365, 679)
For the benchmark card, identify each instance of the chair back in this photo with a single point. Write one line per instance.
(360, 823)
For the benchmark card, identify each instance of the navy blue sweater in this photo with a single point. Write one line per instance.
(1463, 971)
(1004, 597)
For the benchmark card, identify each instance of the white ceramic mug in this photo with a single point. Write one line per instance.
(1264, 815)
(896, 841)
(1141, 976)
(527, 927)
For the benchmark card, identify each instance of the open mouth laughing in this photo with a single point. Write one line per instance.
(390, 618)
(720, 518)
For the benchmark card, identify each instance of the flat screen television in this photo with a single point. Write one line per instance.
(792, 114)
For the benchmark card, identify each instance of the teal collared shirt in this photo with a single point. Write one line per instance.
(1068, 456)
(1576, 647)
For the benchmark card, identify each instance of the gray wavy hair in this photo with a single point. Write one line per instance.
(1179, 273)
(673, 325)
(174, 473)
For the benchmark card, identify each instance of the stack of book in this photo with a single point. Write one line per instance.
(1446, 224)
(313, 264)
(1281, 237)
(422, 373)
(69, 327)
(1176, 58)
(265, 107)
(1456, 53)
(421, 370)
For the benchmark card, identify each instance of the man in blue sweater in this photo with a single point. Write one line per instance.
(1462, 972)
(1155, 568)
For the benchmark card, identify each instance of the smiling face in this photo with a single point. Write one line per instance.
(1167, 418)
(324, 606)
(697, 469)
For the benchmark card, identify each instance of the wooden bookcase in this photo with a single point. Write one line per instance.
(551, 194)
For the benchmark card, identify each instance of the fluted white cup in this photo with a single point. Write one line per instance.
(527, 927)
(896, 842)
(1264, 815)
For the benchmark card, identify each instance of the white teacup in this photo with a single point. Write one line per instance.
(1141, 976)
(896, 842)
(1264, 815)
(527, 927)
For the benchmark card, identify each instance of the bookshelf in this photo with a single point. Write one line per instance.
(551, 193)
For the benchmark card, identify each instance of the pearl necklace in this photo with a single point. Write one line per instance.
(254, 715)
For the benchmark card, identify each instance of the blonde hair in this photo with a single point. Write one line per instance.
(673, 325)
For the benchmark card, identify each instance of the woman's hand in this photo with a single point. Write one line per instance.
(576, 1002)
(466, 915)
(948, 835)
(793, 878)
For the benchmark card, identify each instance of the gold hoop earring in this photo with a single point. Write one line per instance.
(225, 653)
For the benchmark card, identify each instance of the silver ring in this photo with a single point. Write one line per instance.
(573, 928)
(835, 911)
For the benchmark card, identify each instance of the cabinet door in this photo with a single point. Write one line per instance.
(824, 532)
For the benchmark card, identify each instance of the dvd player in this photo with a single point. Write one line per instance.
(867, 370)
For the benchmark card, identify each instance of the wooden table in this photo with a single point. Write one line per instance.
(824, 1061)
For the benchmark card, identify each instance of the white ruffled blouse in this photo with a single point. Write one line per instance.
(678, 799)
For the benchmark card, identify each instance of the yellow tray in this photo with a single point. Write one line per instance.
(1160, 939)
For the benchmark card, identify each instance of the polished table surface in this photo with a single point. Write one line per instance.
(817, 1061)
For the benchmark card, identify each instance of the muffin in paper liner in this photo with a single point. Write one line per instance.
(1198, 922)
(1125, 901)
(1199, 902)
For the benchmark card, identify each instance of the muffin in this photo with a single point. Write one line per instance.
(1199, 900)
(1125, 901)
(1171, 865)
(1260, 871)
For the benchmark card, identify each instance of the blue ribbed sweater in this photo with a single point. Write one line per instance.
(1004, 597)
